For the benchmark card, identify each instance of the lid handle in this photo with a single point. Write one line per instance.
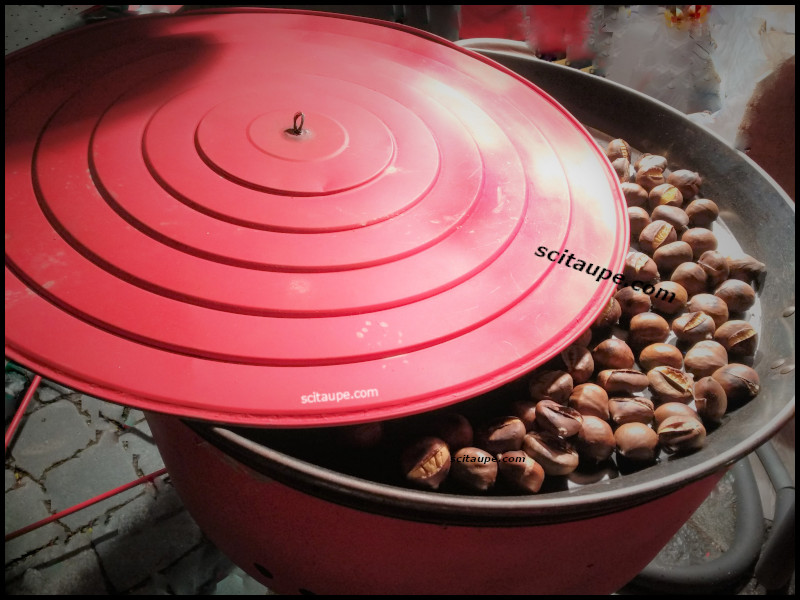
(297, 124)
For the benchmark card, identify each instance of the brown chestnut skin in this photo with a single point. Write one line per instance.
(556, 455)
(622, 382)
(633, 409)
(670, 385)
(710, 399)
(474, 469)
(502, 434)
(525, 411)
(674, 409)
(650, 177)
(669, 297)
(558, 419)
(681, 434)
(584, 339)
(623, 169)
(639, 219)
(636, 442)
(590, 400)
(739, 338)
(632, 302)
(556, 385)
(657, 234)
(612, 354)
(658, 355)
(664, 194)
(635, 195)
(618, 148)
(693, 327)
(701, 240)
(649, 161)
(595, 441)
(740, 382)
(688, 182)
(648, 328)
(640, 267)
(713, 306)
(578, 362)
(673, 215)
(716, 267)
(746, 269)
(521, 471)
(704, 358)
(609, 316)
(670, 256)
(426, 462)
(738, 295)
(702, 212)
(692, 277)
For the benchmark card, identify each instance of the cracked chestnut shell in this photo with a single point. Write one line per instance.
(556, 385)
(636, 442)
(622, 168)
(633, 409)
(716, 267)
(746, 269)
(556, 455)
(740, 382)
(618, 148)
(670, 385)
(681, 434)
(640, 267)
(426, 462)
(502, 434)
(525, 411)
(739, 338)
(650, 161)
(650, 177)
(610, 315)
(474, 469)
(664, 194)
(688, 182)
(657, 234)
(694, 327)
(557, 419)
(521, 471)
(622, 381)
(454, 429)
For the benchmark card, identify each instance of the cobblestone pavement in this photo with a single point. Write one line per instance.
(71, 447)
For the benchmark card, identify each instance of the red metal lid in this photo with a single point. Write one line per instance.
(179, 239)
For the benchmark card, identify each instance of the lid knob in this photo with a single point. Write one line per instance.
(297, 124)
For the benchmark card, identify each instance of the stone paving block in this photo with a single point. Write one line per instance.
(198, 571)
(15, 383)
(91, 406)
(46, 394)
(69, 570)
(716, 515)
(49, 435)
(10, 479)
(128, 560)
(138, 441)
(98, 469)
(25, 505)
(112, 411)
(239, 583)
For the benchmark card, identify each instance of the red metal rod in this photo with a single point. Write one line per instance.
(21, 410)
(77, 507)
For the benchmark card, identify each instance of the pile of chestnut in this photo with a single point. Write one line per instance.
(621, 393)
